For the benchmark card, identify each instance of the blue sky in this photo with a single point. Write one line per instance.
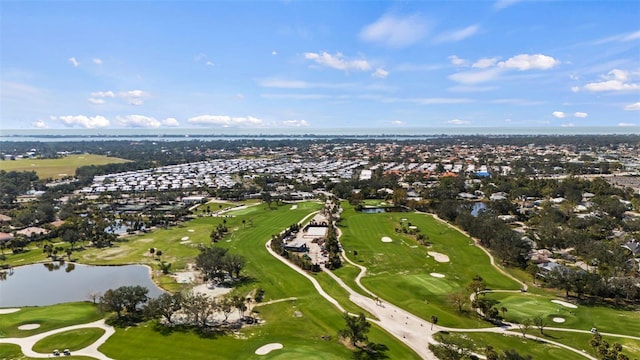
(319, 64)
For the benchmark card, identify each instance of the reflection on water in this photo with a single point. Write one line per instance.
(58, 282)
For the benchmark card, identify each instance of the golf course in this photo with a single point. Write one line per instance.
(397, 281)
(58, 168)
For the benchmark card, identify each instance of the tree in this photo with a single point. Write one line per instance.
(239, 304)
(164, 305)
(124, 298)
(503, 310)
(539, 322)
(198, 308)
(458, 300)
(512, 354)
(357, 329)
(524, 326)
(226, 306)
(476, 286)
(233, 264)
(434, 321)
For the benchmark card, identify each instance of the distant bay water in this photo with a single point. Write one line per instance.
(203, 134)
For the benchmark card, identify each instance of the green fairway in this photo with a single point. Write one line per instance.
(13, 352)
(400, 271)
(58, 168)
(521, 306)
(580, 341)
(249, 230)
(48, 317)
(72, 340)
(479, 341)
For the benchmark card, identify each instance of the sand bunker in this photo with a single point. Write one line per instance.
(265, 349)
(565, 304)
(438, 256)
(190, 230)
(437, 275)
(558, 320)
(212, 292)
(185, 242)
(9, 311)
(386, 239)
(293, 207)
(28, 326)
(185, 238)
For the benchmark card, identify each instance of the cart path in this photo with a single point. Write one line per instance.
(26, 343)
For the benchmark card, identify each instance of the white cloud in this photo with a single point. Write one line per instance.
(138, 121)
(296, 123)
(134, 97)
(40, 124)
(575, 88)
(296, 96)
(527, 62)
(458, 122)
(337, 61)
(172, 122)
(559, 114)
(626, 124)
(395, 31)
(620, 38)
(633, 107)
(103, 94)
(87, 122)
(225, 121)
(274, 53)
(485, 63)
(398, 123)
(580, 114)
(97, 61)
(209, 63)
(455, 60)
(615, 80)
(457, 35)
(96, 101)
(567, 125)
(74, 62)
(474, 77)
(471, 88)
(501, 4)
(380, 73)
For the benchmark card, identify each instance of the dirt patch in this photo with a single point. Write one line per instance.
(265, 349)
(144, 240)
(28, 326)
(565, 304)
(438, 256)
(9, 311)
(212, 292)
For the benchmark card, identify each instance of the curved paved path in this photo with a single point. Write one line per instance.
(26, 343)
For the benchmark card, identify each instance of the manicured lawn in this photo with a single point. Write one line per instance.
(480, 341)
(58, 168)
(13, 352)
(72, 340)
(631, 347)
(49, 318)
(399, 271)
(301, 336)
(521, 306)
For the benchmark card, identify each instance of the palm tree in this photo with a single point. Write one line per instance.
(434, 321)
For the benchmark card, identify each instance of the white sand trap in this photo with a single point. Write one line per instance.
(28, 326)
(191, 230)
(413, 227)
(386, 239)
(558, 320)
(438, 275)
(293, 207)
(564, 303)
(438, 256)
(185, 238)
(9, 310)
(185, 242)
(265, 349)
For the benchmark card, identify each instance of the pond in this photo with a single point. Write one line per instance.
(380, 210)
(55, 282)
(477, 207)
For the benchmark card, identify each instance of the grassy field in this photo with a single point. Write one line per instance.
(479, 341)
(49, 318)
(399, 271)
(13, 352)
(249, 230)
(58, 168)
(631, 347)
(605, 319)
(72, 340)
